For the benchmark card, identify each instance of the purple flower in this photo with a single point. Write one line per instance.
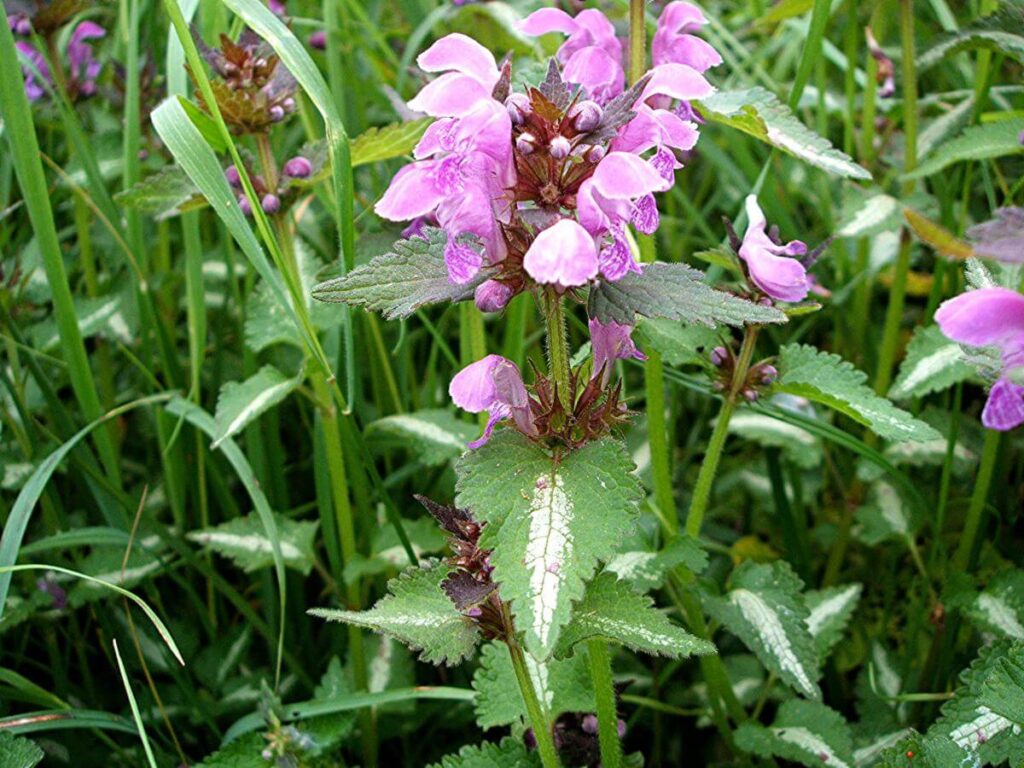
(298, 168)
(277, 7)
(592, 54)
(992, 317)
(495, 385)
(1002, 238)
(769, 265)
(83, 67)
(492, 296)
(674, 41)
(610, 342)
(318, 40)
(470, 74)
(563, 255)
(34, 87)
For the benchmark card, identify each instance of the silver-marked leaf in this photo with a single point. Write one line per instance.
(550, 523)
(828, 379)
(759, 113)
(971, 724)
(645, 571)
(675, 292)
(510, 753)
(435, 437)
(244, 540)
(1003, 689)
(563, 685)
(806, 732)
(417, 612)
(112, 317)
(830, 612)
(977, 142)
(412, 275)
(612, 610)
(163, 194)
(801, 447)
(865, 215)
(242, 402)
(884, 517)
(933, 363)
(1002, 31)
(868, 754)
(18, 752)
(999, 607)
(766, 611)
(387, 142)
(678, 344)
(929, 751)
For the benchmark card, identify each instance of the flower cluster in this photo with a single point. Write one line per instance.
(78, 72)
(277, 195)
(535, 189)
(254, 90)
(769, 263)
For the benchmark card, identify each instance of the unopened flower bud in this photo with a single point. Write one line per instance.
(298, 168)
(475, 612)
(750, 395)
(288, 104)
(518, 106)
(596, 154)
(586, 116)
(589, 724)
(719, 355)
(559, 147)
(525, 144)
(529, 739)
(620, 726)
(271, 203)
(276, 114)
(243, 203)
(231, 174)
(23, 27)
(318, 40)
(492, 296)
(769, 373)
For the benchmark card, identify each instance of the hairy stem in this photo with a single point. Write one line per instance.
(538, 720)
(558, 345)
(975, 513)
(607, 716)
(637, 41)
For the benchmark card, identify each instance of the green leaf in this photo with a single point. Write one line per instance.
(112, 317)
(675, 292)
(1002, 31)
(978, 142)
(244, 752)
(931, 751)
(435, 437)
(766, 611)
(1003, 689)
(869, 214)
(933, 363)
(388, 142)
(647, 570)
(800, 447)
(563, 685)
(612, 610)
(398, 283)
(163, 194)
(759, 113)
(828, 379)
(17, 752)
(884, 517)
(830, 612)
(970, 724)
(242, 402)
(417, 612)
(549, 522)
(246, 542)
(999, 607)
(806, 732)
(510, 753)
(677, 343)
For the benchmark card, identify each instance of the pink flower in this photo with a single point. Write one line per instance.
(768, 262)
(495, 385)
(34, 88)
(610, 342)
(470, 74)
(83, 67)
(992, 317)
(592, 54)
(563, 255)
(674, 41)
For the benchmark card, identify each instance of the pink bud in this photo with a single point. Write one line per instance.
(620, 726)
(518, 106)
(586, 116)
(318, 40)
(243, 203)
(525, 144)
(596, 154)
(750, 395)
(559, 147)
(276, 114)
(271, 203)
(231, 174)
(769, 373)
(492, 296)
(719, 355)
(589, 724)
(298, 168)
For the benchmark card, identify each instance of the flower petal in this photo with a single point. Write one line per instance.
(988, 316)
(453, 94)
(548, 20)
(562, 255)
(472, 388)
(459, 53)
(677, 81)
(1004, 409)
(412, 193)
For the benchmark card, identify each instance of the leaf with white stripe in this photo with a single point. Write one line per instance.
(806, 732)
(869, 754)
(244, 540)
(766, 611)
(417, 612)
(645, 571)
(933, 363)
(550, 522)
(800, 446)
(435, 436)
(999, 607)
(612, 610)
(242, 402)
(563, 685)
(1003, 689)
(884, 517)
(831, 609)
(969, 722)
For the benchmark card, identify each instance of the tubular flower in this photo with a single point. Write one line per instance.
(768, 262)
(674, 40)
(610, 342)
(83, 67)
(34, 69)
(494, 385)
(992, 317)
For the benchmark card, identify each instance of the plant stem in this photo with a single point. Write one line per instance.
(709, 467)
(538, 720)
(558, 345)
(604, 691)
(637, 40)
(975, 513)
